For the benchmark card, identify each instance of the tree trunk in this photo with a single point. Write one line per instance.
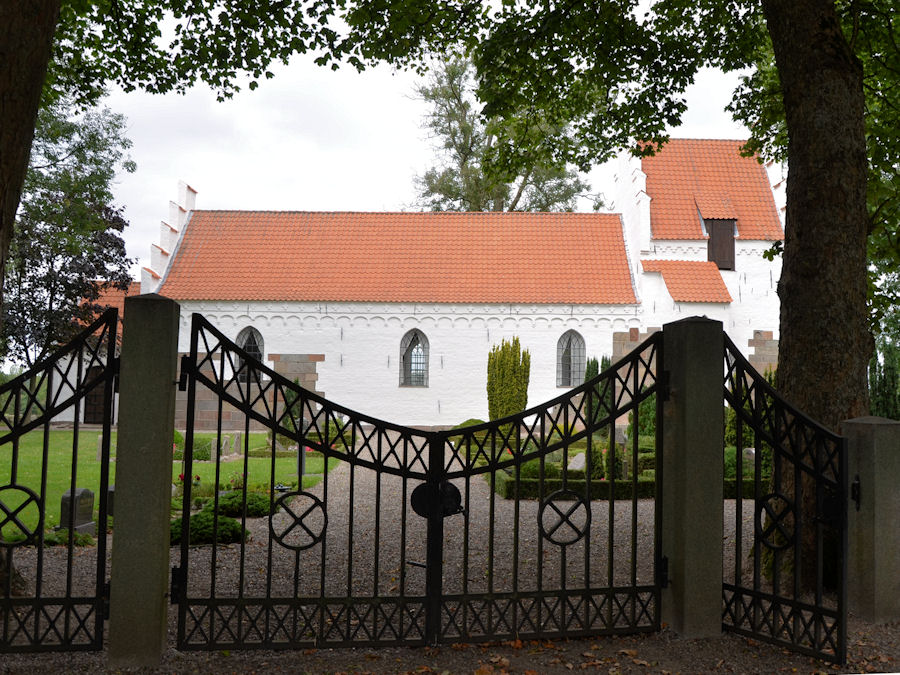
(26, 38)
(825, 344)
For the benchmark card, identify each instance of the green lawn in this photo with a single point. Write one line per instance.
(29, 467)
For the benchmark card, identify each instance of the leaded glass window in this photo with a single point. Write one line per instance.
(414, 359)
(570, 359)
(251, 341)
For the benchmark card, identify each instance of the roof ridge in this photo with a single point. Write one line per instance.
(416, 213)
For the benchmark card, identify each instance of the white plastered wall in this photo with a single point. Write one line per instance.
(361, 344)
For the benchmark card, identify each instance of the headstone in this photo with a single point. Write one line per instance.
(236, 446)
(110, 498)
(82, 511)
(226, 445)
(577, 463)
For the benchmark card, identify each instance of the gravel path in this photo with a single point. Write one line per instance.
(478, 558)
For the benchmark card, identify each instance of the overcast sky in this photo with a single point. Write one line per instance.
(309, 140)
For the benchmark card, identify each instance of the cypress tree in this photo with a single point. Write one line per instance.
(508, 369)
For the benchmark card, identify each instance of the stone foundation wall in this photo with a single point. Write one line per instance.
(764, 348)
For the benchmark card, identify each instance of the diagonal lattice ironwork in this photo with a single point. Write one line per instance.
(449, 574)
(788, 584)
(75, 385)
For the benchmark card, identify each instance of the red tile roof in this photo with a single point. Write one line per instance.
(401, 257)
(113, 297)
(690, 280)
(689, 178)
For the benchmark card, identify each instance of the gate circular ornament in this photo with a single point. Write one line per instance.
(306, 520)
(15, 500)
(564, 517)
(772, 524)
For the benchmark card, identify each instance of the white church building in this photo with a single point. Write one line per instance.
(393, 314)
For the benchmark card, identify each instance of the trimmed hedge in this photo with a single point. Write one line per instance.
(231, 504)
(529, 488)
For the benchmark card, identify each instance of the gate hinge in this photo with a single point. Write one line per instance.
(176, 585)
(855, 491)
(662, 572)
(662, 382)
(183, 376)
(106, 588)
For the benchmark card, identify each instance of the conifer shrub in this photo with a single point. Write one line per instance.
(229, 530)
(591, 369)
(508, 371)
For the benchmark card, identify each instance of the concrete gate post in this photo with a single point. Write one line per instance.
(873, 565)
(140, 552)
(692, 478)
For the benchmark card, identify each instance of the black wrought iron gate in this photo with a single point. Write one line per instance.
(58, 597)
(533, 526)
(788, 540)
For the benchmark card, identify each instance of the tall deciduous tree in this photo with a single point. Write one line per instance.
(873, 33)
(68, 244)
(465, 141)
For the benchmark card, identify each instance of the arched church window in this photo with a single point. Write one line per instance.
(414, 359)
(570, 359)
(251, 341)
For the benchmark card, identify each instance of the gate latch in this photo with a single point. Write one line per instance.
(662, 572)
(183, 377)
(450, 499)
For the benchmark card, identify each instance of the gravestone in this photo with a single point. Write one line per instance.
(236, 445)
(80, 508)
(577, 463)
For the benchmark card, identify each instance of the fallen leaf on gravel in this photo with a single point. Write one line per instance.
(309, 652)
(640, 662)
(588, 655)
(484, 670)
(459, 646)
(628, 652)
(530, 672)
(515, 644)
(432, 651)
(501, 661)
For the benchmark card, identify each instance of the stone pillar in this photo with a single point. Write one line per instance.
(692, 476)
(873, 565)
(140, 555)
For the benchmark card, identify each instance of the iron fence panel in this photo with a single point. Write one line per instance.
(407, 536)
(787, 544)
(55, 598)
